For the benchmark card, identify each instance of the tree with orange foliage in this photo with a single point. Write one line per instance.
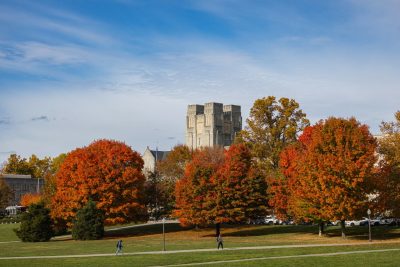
(239, 193)
(282, 185)
(387, 184)
(219, 188)
(328, 175)
(194, 191)
(29, 199)
(107, 172)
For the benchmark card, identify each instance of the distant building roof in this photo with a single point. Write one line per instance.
(22, 176)
(159, 155)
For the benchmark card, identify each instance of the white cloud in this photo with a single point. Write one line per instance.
(39, 25)
(52, 54)
(142, 99)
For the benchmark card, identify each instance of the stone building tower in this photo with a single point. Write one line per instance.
(212, 124)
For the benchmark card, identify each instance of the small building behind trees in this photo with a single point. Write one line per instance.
(21, 185)
(150, 158)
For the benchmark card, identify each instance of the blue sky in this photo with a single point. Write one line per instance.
(75, 71)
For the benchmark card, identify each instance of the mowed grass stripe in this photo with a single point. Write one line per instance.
(197, 251)
(278, 257)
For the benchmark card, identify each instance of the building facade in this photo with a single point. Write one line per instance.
(21, 185)
(212, 124)
(150, 157)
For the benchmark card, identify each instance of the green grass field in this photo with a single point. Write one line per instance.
(149, 238)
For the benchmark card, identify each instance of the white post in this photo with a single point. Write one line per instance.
(369, 225)
(163, 230)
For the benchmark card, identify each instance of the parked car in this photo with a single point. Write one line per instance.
(357, 222)
(337, 222)
(382, 221)
(271, 219)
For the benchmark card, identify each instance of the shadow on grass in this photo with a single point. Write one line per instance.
(150, 229)
(354, 233)
(361, 233)
(273, 229)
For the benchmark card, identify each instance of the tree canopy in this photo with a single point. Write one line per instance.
(220, 188)
(387, 185)
(45, 168)
(271, 126)
(6, 194)
(328, 172)
(108, 172)
(194, 191)
(36, 225)
(239, 188)
(160, 185)
(89, 223)
(173, 167)
(29, 199)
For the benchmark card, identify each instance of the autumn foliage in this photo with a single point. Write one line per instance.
(239, 193)
(173, 167)
(272, 125)
(29, 199)
(387, 184)
(194, 191)
(107, 172)
(220, 188)
(326, 175)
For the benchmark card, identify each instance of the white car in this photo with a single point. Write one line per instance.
(270, 219)
(357, 222)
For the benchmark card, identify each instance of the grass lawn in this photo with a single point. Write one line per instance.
(149, 238)
(7, 233)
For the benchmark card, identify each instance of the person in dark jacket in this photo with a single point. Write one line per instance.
(119, 247)
(220, 242)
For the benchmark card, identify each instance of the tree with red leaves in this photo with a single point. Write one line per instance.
(239, 193)
(329, 171)
(221, 189)
(195, 191)
(107, 172)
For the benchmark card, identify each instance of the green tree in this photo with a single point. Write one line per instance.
(89, 223)
(173, 167)
(36, 167)
(50, 185)
(17, 165)
(272, 125)
(158, 196)
(40, 168)
(35, 224)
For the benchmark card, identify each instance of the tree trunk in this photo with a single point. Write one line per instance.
(321, 229)
(217, 229)
(343, 227)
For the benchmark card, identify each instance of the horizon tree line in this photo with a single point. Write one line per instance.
(279, 162)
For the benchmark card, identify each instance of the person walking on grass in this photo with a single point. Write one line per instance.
(220, 242)
(119, 247)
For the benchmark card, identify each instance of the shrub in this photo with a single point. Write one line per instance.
(89, 223)
(35, 224)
